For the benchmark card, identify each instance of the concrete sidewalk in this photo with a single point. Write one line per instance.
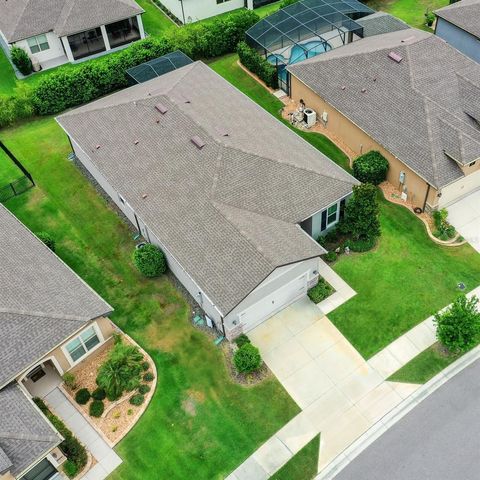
(107, 459)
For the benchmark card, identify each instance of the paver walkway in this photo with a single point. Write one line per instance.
(107, 459)
(341, 394)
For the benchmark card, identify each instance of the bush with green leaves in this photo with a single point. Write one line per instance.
(361, 219)
(247, 358)
(144, 389)
(371, 167)
(47, 239)
(17, 106)
(258, 65)
(148, 377)
(21, 60)
(82, 396)
(70, 380)
(330, 256)
(361, 245)
(287, 3)
(242, 340)
(320, 291)
(429, 18)
(150, 260)
(121, 371)
(96, 408)
(70, 469)
(444, 230)
(137, 399)
(145, 366)
(70, 447)
(99, 394)
(458, 326)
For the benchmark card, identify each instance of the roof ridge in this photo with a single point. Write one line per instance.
(72, 318)
(27, 3)
(27, 436)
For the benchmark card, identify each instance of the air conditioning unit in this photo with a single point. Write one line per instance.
(310, 117)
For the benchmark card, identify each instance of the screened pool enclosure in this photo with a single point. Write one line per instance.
(305, 29)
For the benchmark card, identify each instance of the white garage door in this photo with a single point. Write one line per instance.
(273, 303)
(459, 189)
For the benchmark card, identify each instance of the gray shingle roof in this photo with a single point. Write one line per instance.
(25, 434)
(42, 301)
(406, 105)
(464, 14)
(203, 204)
(380, 22)
(21, 19)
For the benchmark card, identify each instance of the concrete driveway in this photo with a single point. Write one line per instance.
(464, 215)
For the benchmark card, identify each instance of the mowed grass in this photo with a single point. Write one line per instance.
(155, 21)
(7, 75)
(8, 170)
(405, 279)
(410, 11)
(228, 422)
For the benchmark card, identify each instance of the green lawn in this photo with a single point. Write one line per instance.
(154, 20)
(424, 366)
(8, 170)
(401, 282)
(229, 421)
(410, 11)
(7, 76)
(303, 466)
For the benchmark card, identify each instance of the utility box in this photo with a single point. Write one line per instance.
(309, 117)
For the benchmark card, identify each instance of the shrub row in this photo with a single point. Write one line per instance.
(71, 447)
(257, 64)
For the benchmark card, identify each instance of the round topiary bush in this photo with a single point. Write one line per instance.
(150, 260)
(47, 239)
(247, 358)
(372, 167)
(96, 408)
(144, 389)
(99, 394)
(137, 399)
(145, 366)
(148, 377)
(82, 396)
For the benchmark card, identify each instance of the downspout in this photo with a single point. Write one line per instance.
(426, 196)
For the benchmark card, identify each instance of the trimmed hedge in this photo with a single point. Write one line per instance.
(21, 60)
(320, 291)
(150, 260)
(82, 396)
(96, 408)
(66, 88)
(372, 167)
(257, 64)
(247, 358)
(17, 106)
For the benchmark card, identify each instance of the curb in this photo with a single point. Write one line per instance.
(396, 414)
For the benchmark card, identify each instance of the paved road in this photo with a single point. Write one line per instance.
(438, 440)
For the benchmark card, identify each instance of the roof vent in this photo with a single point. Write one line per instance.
(144, 196)
(136, 142)
(408, 39)
(198, 142)
(161, 108)
(97, 146)
(364, 90)
(343, 87)
(222, 132)
(395, 57)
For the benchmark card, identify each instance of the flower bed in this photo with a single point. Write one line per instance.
(118, 416)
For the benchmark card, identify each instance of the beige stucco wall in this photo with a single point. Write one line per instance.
(360, 143)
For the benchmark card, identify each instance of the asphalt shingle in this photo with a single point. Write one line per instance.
(464, 14)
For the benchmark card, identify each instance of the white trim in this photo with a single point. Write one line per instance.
(106, 41)
(140, 25)
(98, 332)
(324, 208)
(52, 358)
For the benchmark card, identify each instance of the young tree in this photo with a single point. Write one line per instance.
(458, 327)
(361, 213)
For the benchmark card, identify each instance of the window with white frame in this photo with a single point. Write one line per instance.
(39, 43)
(79, 347)
(332, 214)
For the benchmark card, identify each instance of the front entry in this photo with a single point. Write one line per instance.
(42, 379)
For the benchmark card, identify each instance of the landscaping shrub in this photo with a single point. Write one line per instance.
(148, 377)
(70, 469)
(70, 380)
(66, 88)
(372, 167)
(121, 371)
(257, 64)
(361, 213)
(286, 3)
(99, 394)
(144, 389)
(71, 447)
(150, 260)
(247, 358)
(444, 230)
(17, 106)
(21, 60)
(96, 408)
(47, 239)
(145, 366)
(429, 18)
(330, 257)
(137, 399)
(322, 240)
(458, 327)
(362, 245)
(241, 340)
(331, 236)
(82, 396)
(320, 291)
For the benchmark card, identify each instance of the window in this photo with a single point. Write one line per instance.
(332, 214)
(82, 344)
(222, 1)
(123, 32)
(39, 43)
(472, 164)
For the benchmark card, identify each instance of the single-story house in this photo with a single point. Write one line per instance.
(379, 23)
(459, 25)
(409, 95)
(50, 320)
(54, 32)
(229, 193)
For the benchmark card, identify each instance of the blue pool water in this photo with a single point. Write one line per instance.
(299, 52)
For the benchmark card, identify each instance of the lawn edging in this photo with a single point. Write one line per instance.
(396, 414)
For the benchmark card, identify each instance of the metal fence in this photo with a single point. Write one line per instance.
(15, 188)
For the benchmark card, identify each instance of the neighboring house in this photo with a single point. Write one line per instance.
(188, 11)
(380, 22)
(409, 95)
(50, 320)
(53, 32)
(219, 184)
(459, 25)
